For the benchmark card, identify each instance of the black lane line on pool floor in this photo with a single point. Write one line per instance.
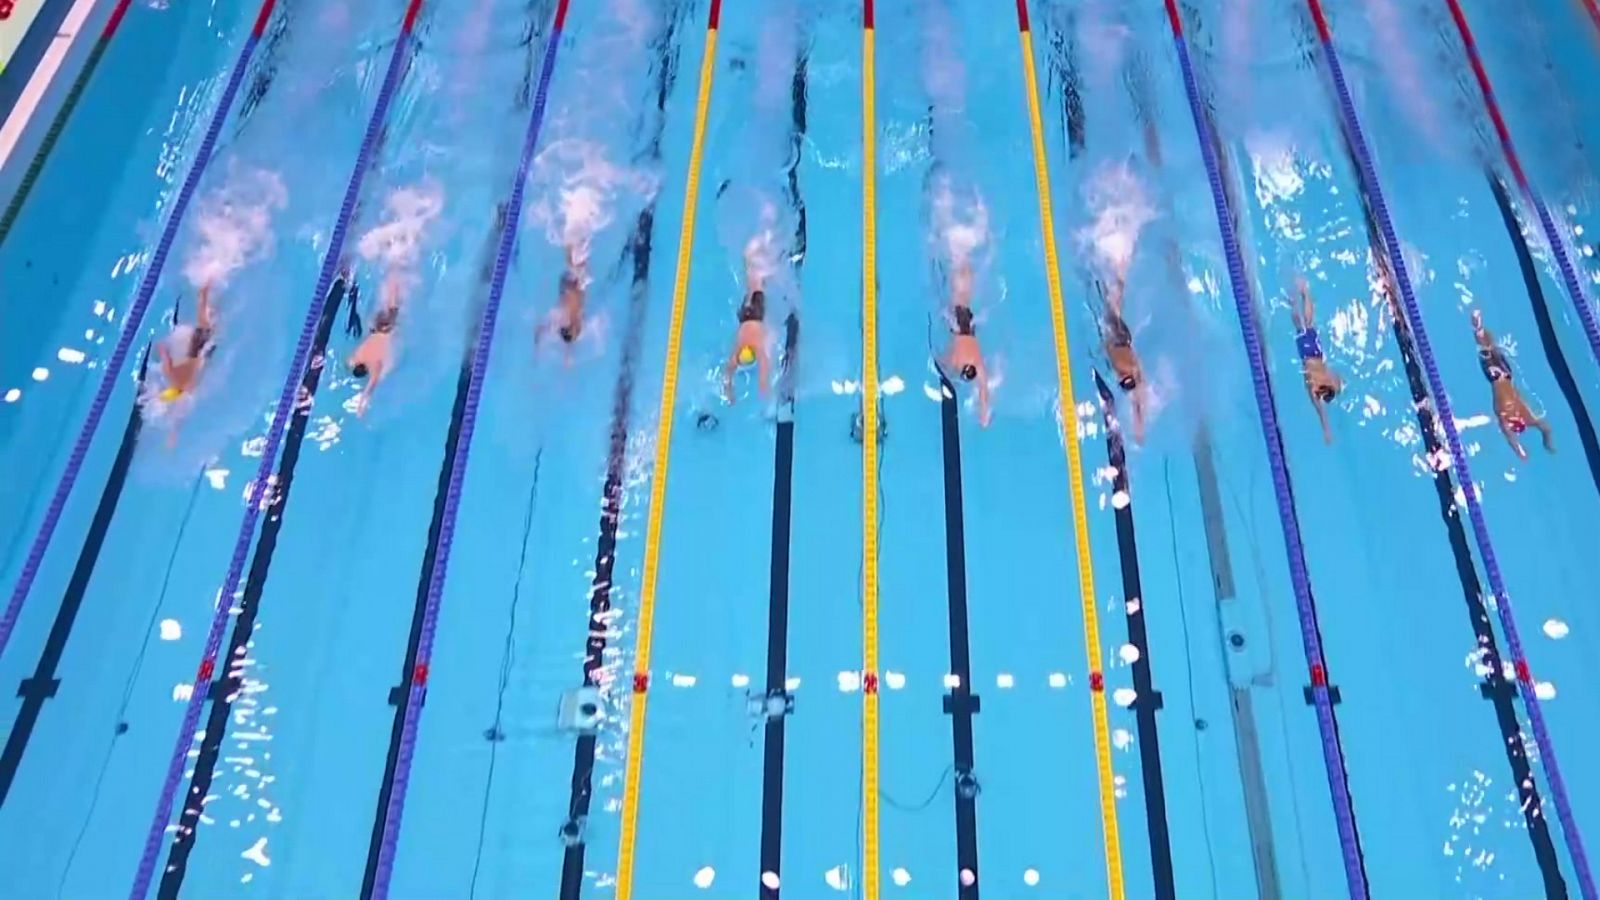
(1241, 708)
(573, 830)
(1148, 700)
(44, 684)
(1547, 331)
(226, 688)
(399, 695)
(782, 520)
(961, 704)
(1495, 687)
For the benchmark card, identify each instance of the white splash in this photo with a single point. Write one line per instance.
(234, 225)
(407, 212)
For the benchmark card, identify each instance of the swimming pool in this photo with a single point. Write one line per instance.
(843, 638)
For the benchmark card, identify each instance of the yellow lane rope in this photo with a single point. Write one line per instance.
(869, 463)
(1080, 516)
(658, 485)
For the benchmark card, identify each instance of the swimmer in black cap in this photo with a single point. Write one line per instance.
(374, 356)
(1118, 340)
(566, 320)
(1322, 385)
(964, 355)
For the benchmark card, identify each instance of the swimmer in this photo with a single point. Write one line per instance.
(566, 320)
(964, 355)
(1509, 407)
(374, 356)
(1117, 338)
(1322, 385)
(750, 338)
(184, 353)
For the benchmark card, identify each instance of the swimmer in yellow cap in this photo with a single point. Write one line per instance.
(184, 352)
(750, 340)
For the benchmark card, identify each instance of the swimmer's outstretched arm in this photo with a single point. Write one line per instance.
(1484, 336)
(983, 396)
(374, 377)
(203, 310)
(728, 368)
(764, 369)
(1137, 400)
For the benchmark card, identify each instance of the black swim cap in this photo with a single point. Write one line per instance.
(1127, 382)
(568, 333)
(969, 371)
(1327, 392)
(359, 370)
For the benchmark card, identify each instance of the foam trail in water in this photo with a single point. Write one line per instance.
(396, 243)
(1399, 63)
(1121, 207)
(234, 225)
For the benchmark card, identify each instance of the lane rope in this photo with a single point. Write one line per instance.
(871, 850)
(205, 675)
(1458, 456)
(418, 688)
(132, 324)
(1558, 246)
(59, 123)
(1332, 755)
(634, 764)
(1110, 832)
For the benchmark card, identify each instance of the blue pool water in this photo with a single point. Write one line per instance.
(1218, 783)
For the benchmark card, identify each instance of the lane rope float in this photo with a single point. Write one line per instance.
(206, 674)
(871, 850)
(1547, 222)
(645, 617)
(418, 688)
(59, 123)
(1067, 399)
(132, 323)
(1305, 606)
(1458, 457)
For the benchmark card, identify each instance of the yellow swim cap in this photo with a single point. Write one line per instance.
(170, 394)
(747, 355)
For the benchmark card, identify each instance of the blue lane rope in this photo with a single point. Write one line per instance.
(469, 418)
(1332, 757)
(205, 676)
(1569, 274)
(1458, 459)
(131, 324)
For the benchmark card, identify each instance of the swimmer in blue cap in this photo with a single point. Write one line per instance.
(1322, 385)
(750, 339)
(964, 355)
